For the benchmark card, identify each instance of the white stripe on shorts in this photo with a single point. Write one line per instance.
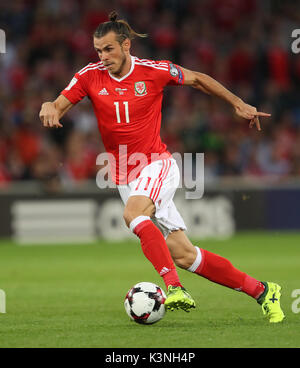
(158, 181)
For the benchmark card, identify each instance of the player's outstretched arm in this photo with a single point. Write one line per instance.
(209, 85)
(52, 112)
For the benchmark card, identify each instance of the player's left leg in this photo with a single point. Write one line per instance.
(211, 266)
(220, 270)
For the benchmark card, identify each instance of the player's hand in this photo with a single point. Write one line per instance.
(49, 116)
(250, 113)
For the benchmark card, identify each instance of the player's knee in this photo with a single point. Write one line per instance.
(185, 260)
(135, 207)
(128, 216)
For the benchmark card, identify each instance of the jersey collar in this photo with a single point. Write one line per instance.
(127, 75)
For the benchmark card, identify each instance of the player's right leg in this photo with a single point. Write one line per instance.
(137, 214)
(145, 197)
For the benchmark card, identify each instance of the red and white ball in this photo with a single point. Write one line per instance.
(144, 303)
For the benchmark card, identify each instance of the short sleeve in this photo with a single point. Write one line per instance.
(169, 74)
(75, 90)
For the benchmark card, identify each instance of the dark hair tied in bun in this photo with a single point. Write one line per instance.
(120, 27)
(113, 16)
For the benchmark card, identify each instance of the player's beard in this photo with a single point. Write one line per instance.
(123, 61)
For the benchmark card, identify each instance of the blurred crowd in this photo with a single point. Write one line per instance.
(244, 44)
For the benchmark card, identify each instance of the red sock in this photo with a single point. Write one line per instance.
(156, 251)
(218, 269)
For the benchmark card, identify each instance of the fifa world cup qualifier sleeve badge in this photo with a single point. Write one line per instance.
(173, 70)
(140, 88)
(176, 72)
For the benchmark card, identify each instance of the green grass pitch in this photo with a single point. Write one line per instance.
(72, 296)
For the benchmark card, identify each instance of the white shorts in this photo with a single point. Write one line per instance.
(158, 181)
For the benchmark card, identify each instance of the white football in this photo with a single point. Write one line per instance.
(144, 303)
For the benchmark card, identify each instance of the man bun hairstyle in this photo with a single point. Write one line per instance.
(113, 16)
(120, 27)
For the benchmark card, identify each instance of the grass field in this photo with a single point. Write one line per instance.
(72, 296)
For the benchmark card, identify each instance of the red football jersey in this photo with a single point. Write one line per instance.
(128, 111)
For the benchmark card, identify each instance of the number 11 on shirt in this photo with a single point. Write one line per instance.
(125, 103)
